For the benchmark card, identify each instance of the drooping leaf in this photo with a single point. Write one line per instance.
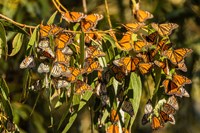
(135, 88)
(17, 43)
(33, 38)
(3, 44)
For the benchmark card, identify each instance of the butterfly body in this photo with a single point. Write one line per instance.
(73, 16)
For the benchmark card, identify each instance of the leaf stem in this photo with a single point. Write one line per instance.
(108, 14)
(17, 23)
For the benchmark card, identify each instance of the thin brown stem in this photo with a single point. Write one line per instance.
(108, 14)
(57, 7)
(61, 6)
(89, 32)
(84, 6)
(17, 23)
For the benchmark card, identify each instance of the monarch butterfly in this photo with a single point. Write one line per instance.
(63, 39)
(114, 117)
(45, 50)
(59, 70)
(112, 129)
(128, 108)
(117, 72)
(75, 72)
(182, 92)
(93, 52)
(145, 67)
(73, 16)
(133, 27)
(177, 55)
(67, 51)
(145, 56)
(142, 15)
(161, 46)
(128, 64)
(156, 123)
(47, 30)
(173, 86)
(81, 87)
(90, 22)
(164, 29)
(163, 65)
(139, 45)
(126, 42)
(62, 84)
(171, 106)
(181, 66)
(10, 126)
(152, 38)
(164, 117)
(62, 58)
(42, 68)
(148, 110)
(91, 65)
(28, 62)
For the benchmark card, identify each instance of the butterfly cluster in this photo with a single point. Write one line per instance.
(56, 49)
(162, 113)
(146, 49)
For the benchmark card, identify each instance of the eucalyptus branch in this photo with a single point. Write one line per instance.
(17, 23)
(108, 14)
(84, 6)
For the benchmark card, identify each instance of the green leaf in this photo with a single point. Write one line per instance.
(4, 92)
(17, 44)
(52, 18)
(85, 99)
(71, 121)
(3, 44)
(33, 38)
(108, 47)
(82, 49)
(135, 86)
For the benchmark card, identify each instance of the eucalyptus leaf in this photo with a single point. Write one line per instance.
(52, 18)
(17, 44)
(135, 86)
(3, 43)
(33, 38)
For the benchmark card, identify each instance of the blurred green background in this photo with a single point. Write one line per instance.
(186, 13)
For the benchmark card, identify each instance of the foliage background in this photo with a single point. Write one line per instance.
(186, 13)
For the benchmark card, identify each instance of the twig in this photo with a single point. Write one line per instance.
(84, 6)
(17, 23)
(108, 14)
(88, 32)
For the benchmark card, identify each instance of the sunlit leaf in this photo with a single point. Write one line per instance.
(85, 99)
(17, 43)
(71, 121)
(135, 88)
(52, 18)
(33, 38)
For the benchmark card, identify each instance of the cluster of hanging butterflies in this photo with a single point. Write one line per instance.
(148, 46)
(55, 49)
(162, 113)
(149, 49)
